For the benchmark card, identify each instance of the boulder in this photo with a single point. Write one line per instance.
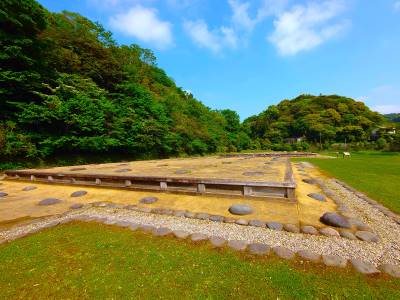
(259, 249)
(364, 267)
(241, 209)
(291, 228)
(309, 230)
(148, 200)
(367, 236)
(283, 252)
(29, 188)
(275, 226)
(49, 201)
(78, 194)
(336, 220)
(334, 261)
(317, 196)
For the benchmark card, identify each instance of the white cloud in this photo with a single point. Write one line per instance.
(214, 40)
(240, 14)
(270, 8)
(396, 6)
(144, 24)
(304, 27)
(384, 99)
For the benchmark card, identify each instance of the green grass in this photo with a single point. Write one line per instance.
(377, 174)
(94, 261)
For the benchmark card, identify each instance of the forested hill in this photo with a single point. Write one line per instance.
(328, 119)
(68, 87)
(395, 118)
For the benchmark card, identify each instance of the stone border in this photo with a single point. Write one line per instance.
(257, 249)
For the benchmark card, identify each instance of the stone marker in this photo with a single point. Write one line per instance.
(327, 231)
(275, 226)
(162, 231)
(3, 194)
(180, 234)
(217, 241)
(334, 261)
(283, 252)
(237, 245)
(316, 196)
(347, 235)
(78, 194)
(241, 209)
(367, 236)
(198, 237)
(336, 220)
(76, 206)
(259, 249)
(309, 230)
(309, 255)
(291, 228)
(29, 188)
(49, 201)
(148, 200)
(364, 267)
(257, 223)
(392, 270)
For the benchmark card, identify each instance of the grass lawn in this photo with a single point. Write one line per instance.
(94, 261)
(377, 174)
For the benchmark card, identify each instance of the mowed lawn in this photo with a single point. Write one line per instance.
(377, 174)
(95, 261)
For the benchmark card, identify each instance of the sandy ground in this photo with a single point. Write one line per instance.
(21, 205)
(198, 167)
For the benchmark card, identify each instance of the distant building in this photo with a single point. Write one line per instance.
(382, 130)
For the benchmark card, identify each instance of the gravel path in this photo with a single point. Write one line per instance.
(386, 251)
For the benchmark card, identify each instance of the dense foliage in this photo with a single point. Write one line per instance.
(68, 87)
(395, 118)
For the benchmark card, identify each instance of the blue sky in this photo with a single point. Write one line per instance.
(248, 54)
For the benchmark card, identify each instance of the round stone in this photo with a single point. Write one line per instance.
(347, 235)
(3, 194)
(78, 194)
(334, 261)
(259, 249)
(217, 241)
(76, 206)
(364, 267)
(216, 218)
(241, 209)
(291, 228)
(198, 237)
(283, 252)
(253, 173)
(336, 220)
(242, 222)
(367, 236)
(148, 200)
(182, 171)
(180, 234)
(123, 170)
(257, 223)
(309, 255)
(202, 216)
(29, 188)
(49, 201)
(392, 270)
(275, 226)
(327, 231)
(316, 196)
(309, 180)
(309, 230)
(162, 231)
(237, 245)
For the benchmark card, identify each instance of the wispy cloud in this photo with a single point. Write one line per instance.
(304, 27)
(396, 6)
(214, 40)
(144, 24)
